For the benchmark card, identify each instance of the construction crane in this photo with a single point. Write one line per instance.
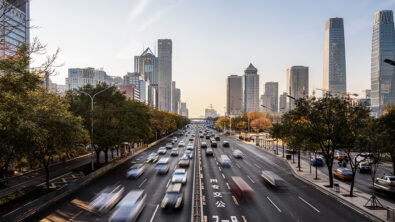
(348, 94)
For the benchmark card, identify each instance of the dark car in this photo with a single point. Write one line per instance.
(217, 138)
(203, 145)
(209, 152)
(213, 144)
(225, 144)
(174, 197)
(208, 137)
(317, 161)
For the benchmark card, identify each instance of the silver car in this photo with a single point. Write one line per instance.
(179, 176)
(237, 154)
(225, 161)
(130, 207)
(135, 171)
(107, 198)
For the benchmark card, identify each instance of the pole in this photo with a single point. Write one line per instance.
(316, 169)
(299, 159)
(93, 165)
(310, 160)
(283, 148)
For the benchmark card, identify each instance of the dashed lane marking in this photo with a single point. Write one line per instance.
(153, 215)
(75, 215)
(257, 166)
(274, 204)
(244, 218)
(228, 186)
(143, 182)
(309, 204)
(235, 200)
(223, 176)
(238, 165)
(219, 168)
(205, 218)
(250, 179)
(167, 185)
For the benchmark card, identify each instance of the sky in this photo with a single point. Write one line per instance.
(212, 39)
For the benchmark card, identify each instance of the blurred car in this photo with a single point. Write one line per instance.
(272, 179)
(203, 145)
(241, 189)
(386, 180)
(162, 150)
(181, 144)
(317, 161)
(339, 155)
(364, 167)
(174, 152)
(237, 154)
(107, 198)
(225, 143)
(224, 160)
(130, 207)
(188, 154)
(184, 162)
(217, 138)
(174, 197)
(213, 143)
(201, 136)
(162, 166)
(207, 137)
(152, 158)
(135, 171)
(179, 176)
(190, 146)
(209, 152)
(169, 145)
(191, 138)
(342, 173)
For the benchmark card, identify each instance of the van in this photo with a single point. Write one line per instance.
(224, 160)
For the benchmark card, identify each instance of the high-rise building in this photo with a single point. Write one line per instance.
(297, 83)
(366, 93)
(270, 98)
(130, 91)
(283, 103)
(177, 97)
(173, 97)
(164, 74)
(251, 89)
(334, 56)
(14, 26)
(143, 88)
(132, 78)
(234, 95)
(79, 77)
(382, 74)
(184, 109)
(147, 65)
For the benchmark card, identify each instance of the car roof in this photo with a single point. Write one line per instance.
(164, 160)
(179, 171)
(174, 188)
(132, 196)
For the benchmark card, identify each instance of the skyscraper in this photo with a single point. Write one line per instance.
(79, 77)
(173, 97)
(15, 26)
(270, 98)
(164, 74)
(184, 109)
(334, 56)
(382, 74)
(297, 83)
(251, 89)
(234, 95)
(283, 103)
(177, 102)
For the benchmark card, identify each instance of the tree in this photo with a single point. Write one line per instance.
(223, 123)
(387, 121)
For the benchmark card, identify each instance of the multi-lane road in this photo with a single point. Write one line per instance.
(298, 202)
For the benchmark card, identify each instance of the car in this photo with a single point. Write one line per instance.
(203, 145)
(179, 176)
(162, 150)
(317, 161)
(174, 197)
(209, 152)
(175, 139)
(107, 199)
(174, 152)
(225, 144)
(241, 189)
(224, 160)
(181, 144)
(272, 179)
(135, 171)
(237, 154)
(169, 145)
(217, 138)
(191, 139)
(184, 162)
(364, 167)
(339, 155)
(130, 207)
(342, 173)
(386, 180)
(213, 144)
(188, 154)
(207, 137)
(162, 166)
(152, 158)
(201, 136)
(190, 146)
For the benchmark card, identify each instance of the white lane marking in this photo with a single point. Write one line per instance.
(219, 168)
(257, 165)
(153, 215)
(168, 183)
(309, 204)
(250, 179)
(238, 165)
(143, 182)
(274, 204)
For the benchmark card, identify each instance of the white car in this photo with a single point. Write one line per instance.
(162, 150)
(169, 145)
(237, 154)
(130, 207)
(181, 144)
(107, 199)
(190, 146)
(135, 171)
(179, 176)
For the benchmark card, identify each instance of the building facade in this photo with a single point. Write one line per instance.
(80, 77)
(15, 25)
(297, 83)
(251, 89)
(234, 95)
(147, 65)
(164, 74)
(382, 74)
(283, 107)
(184, 109)
(270, 98)
(334, 56)
(130, 91)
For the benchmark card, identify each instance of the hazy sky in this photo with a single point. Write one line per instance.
(211, 39)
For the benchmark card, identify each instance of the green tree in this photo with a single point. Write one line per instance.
(387, 121)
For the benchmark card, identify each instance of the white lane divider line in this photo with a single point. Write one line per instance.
(309, 204)
(274, 204)
(257, 166)
(238, 165)
(153, 215)
(219, 168)
(168, 183)
(250, 179)
(143, 182)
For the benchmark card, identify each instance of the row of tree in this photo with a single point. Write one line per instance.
(255, 121)
(36, 126)
(327, 124)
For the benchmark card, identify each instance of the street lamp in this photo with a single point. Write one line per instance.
(92, 98)
(291, 97)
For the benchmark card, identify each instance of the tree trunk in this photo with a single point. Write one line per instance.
(112, 154)
(393, 162)
(106, 155)
(97, 157)
(352, 183)
(46, 167)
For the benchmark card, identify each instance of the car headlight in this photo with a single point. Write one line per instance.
(173, 180)
(178, 203)
(164, 202)
(184, 179)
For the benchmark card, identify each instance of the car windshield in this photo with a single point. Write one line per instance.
(392, 179)
(179, 173)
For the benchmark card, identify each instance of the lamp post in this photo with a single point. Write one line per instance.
(92, 97)
(293, 98)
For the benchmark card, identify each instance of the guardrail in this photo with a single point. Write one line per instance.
(197, 207)
(391, 214)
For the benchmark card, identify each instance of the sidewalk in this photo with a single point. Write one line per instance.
(357, 202)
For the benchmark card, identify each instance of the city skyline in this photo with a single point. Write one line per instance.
(156, 20)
